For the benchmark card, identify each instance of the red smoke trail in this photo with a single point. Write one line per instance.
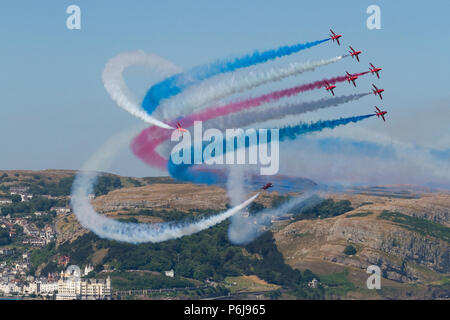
(265, 98)
(145, 144)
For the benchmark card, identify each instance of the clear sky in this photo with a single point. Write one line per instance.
(54, 111)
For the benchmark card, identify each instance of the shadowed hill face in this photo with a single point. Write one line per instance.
(431, 206)
(406, 237)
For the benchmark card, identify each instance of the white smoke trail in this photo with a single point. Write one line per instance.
(235, 189)
(115, 85)
(129, 232)
(224, 85)
(277, 112)
(235, 186)
(243, 230)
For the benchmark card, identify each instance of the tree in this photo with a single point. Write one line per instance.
(49, 268)
(308, 275)
(273, 295)
(98, 268)
(350, 250)
(4, 237)
(16, 198)
(254, 207)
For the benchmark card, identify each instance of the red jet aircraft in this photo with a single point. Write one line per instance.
(267, 186)
(334, 36)
(352, 78)
(380, 113)
(354, 53)
(375, 70)
(377, 91)
(180, 129)
(329, 87)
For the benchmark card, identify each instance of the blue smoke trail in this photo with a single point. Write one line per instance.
(441, 154)
(373, 149)
(175, 84)
(182, 171)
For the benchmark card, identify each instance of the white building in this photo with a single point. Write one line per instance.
(313, 283)
(10, 288)
(86, 289)
(88, 269)
(6, 251)
(170, 273)
(5, 201)
(245, 213)
(47, 288)
(60, 210)
(26, 196)
(31, 288)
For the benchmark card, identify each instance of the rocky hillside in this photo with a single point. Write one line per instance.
(431, 206)
(408, 237)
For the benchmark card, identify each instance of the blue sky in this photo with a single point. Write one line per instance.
(55, 113)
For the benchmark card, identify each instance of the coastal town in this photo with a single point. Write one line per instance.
(23, 232)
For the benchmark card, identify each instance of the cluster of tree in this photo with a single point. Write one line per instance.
(419, 225)
(4, 237)
(3, 176)
(166, 215)
(80, 250)
(130, 220)
(51, 267)
(41, 221)
(165, 180)
(349, 250)
(134, 280)
(18, 236)
(207, 254)
(61, 188)
(134, 182)
(106, 184)
(317, 208)
(204, 255)
(312, 208)
(42, 255)
(35, 204)
(273, 269)
(15, 198)
(255, 207)
(278, 200)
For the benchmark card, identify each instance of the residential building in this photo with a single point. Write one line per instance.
(87, 269)
(47, 288)
(18, 190)
(4, 201)
(85, 289)
(170, 273)
(60, 210)
(313, 283)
